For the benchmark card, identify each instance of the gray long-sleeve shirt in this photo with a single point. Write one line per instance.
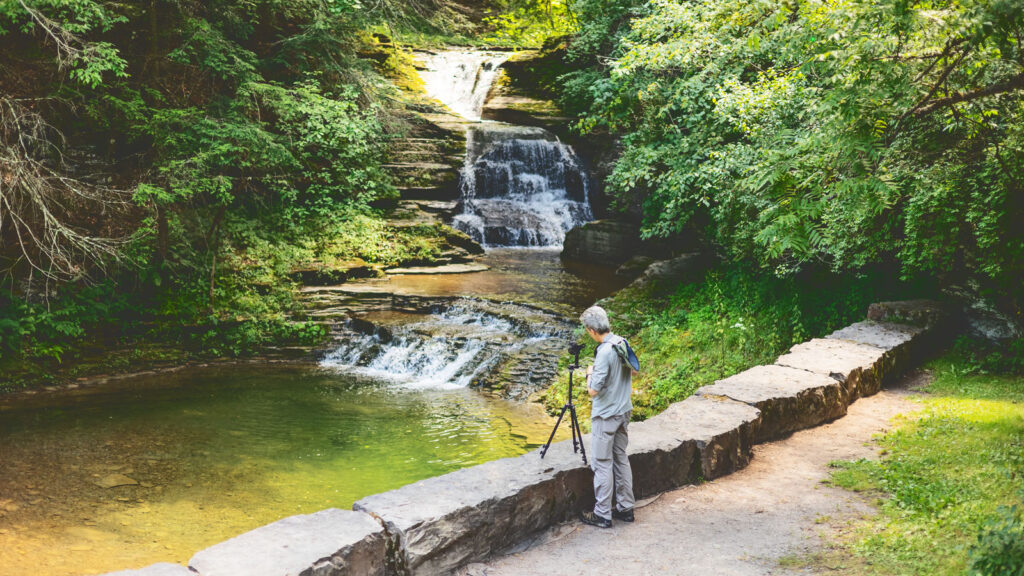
(612, 379)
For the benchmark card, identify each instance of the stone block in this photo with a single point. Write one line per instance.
(903, 343)
(722, 431)
(884, 335)
(789, 399)
(438, 524)
(162, 569)
(662, 457)
(330, 542)
(858, 366)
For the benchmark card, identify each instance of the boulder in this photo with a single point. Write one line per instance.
(330, 542)
(668, 274)
(634, 267)
(858, 366)
(606, 242)
(161, 569)
(789, 399)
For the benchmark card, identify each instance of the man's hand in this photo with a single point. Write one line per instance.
(591, 391)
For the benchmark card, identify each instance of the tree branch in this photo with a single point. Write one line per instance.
(1009, 85)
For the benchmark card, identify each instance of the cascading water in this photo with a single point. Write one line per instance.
(461, 80)
(521, 187)
(453, 347)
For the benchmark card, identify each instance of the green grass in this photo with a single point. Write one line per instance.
(945, 473)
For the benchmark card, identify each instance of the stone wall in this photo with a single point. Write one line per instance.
(436, 525)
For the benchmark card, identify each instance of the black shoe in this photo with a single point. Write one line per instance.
(589, 517)
(624, 515)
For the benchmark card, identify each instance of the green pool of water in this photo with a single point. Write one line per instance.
(218, 451)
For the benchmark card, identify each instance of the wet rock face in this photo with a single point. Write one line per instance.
(327, 543)
(512, 349)
(608, 242)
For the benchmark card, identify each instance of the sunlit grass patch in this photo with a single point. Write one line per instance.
(945, 475)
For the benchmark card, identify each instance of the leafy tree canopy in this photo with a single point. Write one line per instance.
(844, 132)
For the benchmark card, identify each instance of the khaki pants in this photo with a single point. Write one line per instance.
(609, 438)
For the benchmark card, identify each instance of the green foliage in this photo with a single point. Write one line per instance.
(66, 24)
(949, 475)
(528, 23)
(736, 318)
(1000, 547)
(846, 133)
(251, 135)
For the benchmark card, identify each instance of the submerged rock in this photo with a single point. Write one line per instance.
(115, 480)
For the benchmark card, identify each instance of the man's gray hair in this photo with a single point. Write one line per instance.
(596, 319)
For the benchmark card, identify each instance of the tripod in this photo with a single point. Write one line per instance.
(574, 424)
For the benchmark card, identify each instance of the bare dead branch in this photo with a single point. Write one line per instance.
(39, 201)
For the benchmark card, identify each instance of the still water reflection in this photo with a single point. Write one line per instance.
(219, 451)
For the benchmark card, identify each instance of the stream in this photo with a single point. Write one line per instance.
(154, 468)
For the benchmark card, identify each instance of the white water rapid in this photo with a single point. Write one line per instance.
(453, 347)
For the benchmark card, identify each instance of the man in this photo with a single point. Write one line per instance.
(610, 384)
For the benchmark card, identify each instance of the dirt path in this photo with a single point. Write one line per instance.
(740, 525)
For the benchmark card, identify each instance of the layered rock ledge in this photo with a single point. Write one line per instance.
(439, 524)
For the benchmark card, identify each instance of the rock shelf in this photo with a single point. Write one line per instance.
(439, 524)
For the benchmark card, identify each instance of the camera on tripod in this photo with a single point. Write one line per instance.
(575, 350)
(574, 425)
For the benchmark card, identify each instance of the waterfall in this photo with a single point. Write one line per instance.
(521, 187)
(461, 80)
(453, 347)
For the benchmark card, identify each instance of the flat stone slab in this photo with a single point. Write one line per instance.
(851, 363)
(723, 431)
(441, 523)
(884, 335)
(446, 269)
(330, 542)
(789, 399)
(162, 569)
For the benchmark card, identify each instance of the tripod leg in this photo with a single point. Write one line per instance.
(577, 432)
(544, 449)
